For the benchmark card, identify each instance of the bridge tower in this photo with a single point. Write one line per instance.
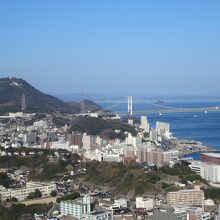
(130, 106)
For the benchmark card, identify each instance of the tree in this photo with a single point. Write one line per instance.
(53, 193)
(70, 196)
(13, 199)
(37, 193)
(31, 196)
(4, 180)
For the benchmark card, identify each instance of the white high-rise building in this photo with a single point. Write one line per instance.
(144, 124)
(153, 135)
(89, 141)
(210, 172)
(136, 142)
(162, 128)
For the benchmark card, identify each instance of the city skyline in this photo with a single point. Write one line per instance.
(116, 47)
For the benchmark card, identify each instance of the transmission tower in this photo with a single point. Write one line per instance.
(23, 103)
(82, 103)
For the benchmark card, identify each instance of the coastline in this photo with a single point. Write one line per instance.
(195, 149)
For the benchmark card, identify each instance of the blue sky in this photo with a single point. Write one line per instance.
(113, 46)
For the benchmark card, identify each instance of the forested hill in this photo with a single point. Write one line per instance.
(12, 89)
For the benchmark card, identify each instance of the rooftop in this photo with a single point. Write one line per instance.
(212, 154)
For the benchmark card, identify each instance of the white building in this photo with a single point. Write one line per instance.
(76, 208)
(194, 213)
(120, 203)
(40, 124)
(210, 172)
(89, 141)
(163, 129)
(130, 121)
(144, 203)
(144, 124)
(23, 193)
(153, 135)
(136, 142)
(60, 145)
(98, 215)
(112, 157)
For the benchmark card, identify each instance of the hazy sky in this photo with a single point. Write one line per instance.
(113, 46)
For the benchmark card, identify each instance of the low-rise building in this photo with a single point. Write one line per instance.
(194, 213)
(98, 215)
(144, 203)
(120, 203)
(167, 213)
(23, 193)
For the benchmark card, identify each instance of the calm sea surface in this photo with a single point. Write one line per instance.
(202, 127)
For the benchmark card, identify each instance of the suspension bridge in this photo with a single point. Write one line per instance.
(140, 107)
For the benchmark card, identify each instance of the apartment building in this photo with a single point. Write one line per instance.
(76, 208)
(190, 197)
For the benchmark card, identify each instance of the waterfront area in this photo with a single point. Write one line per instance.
(114, 163)
(66, 165)
(109, 110)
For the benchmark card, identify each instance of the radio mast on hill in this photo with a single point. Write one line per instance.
(23, 103)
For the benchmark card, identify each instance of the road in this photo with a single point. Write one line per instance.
(40, 201)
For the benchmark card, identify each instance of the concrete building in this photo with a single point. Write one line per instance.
(211, 158)
(99, 140)
(23, 193)
(98, 215)
(112, 157)
(89, 141)
(29, 139)
(130, 121)
(120, 203)
(190, 197)
(129, 154)
(52, 137)
(167, 213)
(144, 124)
(194, 213)
(76, 139)
(144, 203)
(151, 155)
(153, 135)
(136, 142)
(162, 128)
(210, 172)
(40, 124)
(76, 208)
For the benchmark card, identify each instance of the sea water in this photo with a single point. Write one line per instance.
(204, 127)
